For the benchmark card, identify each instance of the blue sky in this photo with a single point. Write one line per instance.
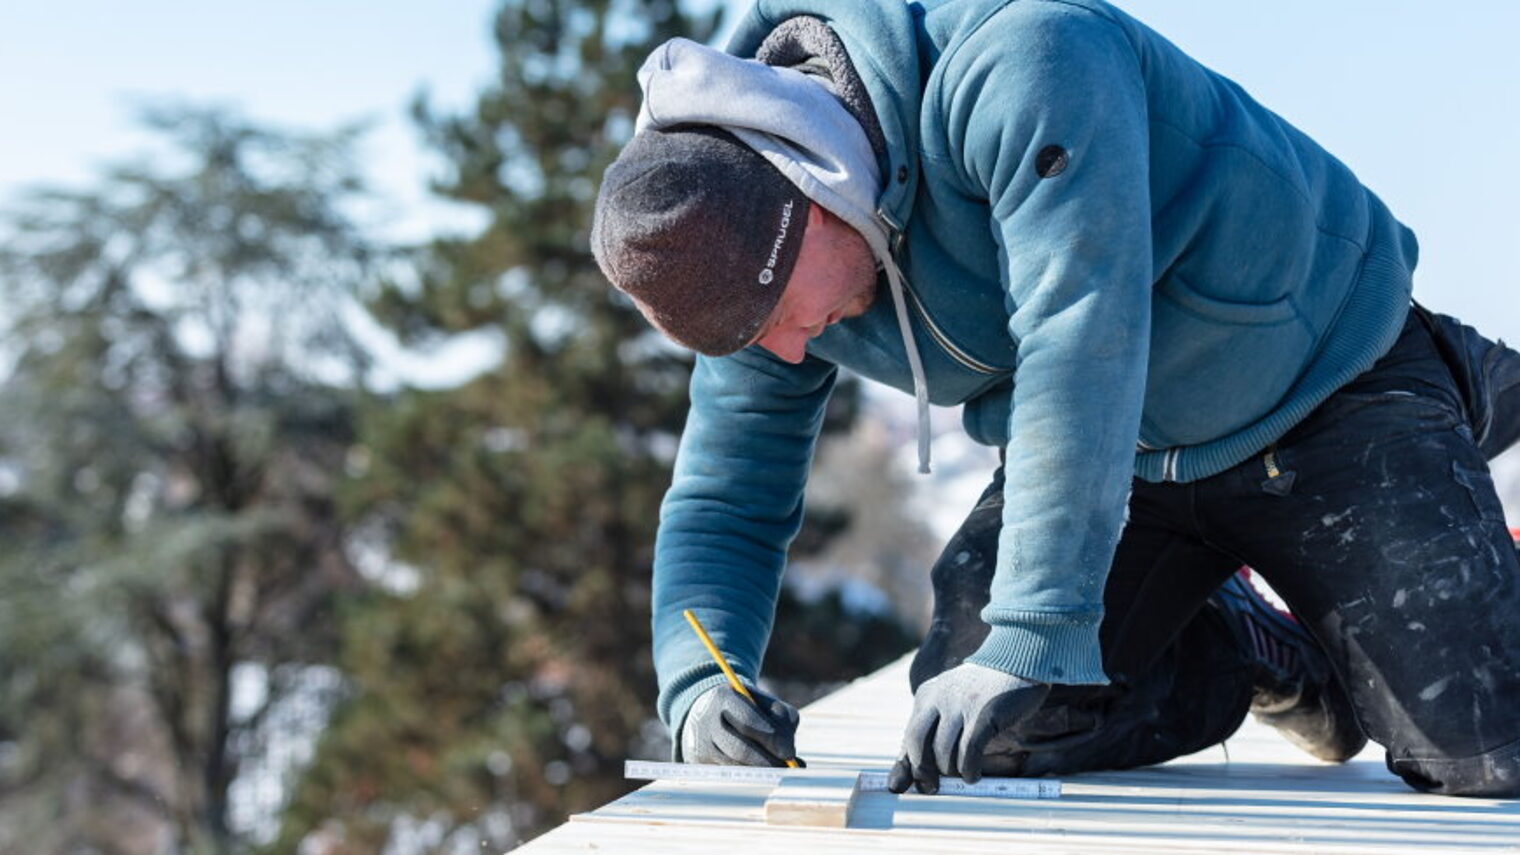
(1422, 100)
(73, 68)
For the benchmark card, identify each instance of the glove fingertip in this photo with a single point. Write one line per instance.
(971, 757)
(919, 739)
(974, 750)
(901, 776)
(926, 776)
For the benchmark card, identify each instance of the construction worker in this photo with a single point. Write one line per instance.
(1187, 327)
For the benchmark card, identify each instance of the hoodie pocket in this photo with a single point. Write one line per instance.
(1217, 365)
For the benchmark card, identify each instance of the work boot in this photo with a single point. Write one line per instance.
(1295, 689)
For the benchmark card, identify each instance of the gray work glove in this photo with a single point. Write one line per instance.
(954, 716)
(723, 727)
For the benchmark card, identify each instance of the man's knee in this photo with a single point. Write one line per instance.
(1193, 696)
(1491, 774)
(1487, 374)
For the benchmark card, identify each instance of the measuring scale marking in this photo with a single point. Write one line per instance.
(870, 781)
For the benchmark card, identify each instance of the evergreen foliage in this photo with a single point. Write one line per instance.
(503, 679)
(217, 548)
(172, 427)
(506, 684)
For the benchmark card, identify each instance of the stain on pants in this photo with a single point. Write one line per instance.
(1375, 519)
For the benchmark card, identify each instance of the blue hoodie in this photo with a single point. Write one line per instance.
(1119, 263)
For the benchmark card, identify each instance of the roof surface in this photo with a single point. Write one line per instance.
(1256, 794)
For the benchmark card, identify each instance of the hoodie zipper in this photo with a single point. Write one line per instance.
(950, 348)
(944, 341)
(897, 236)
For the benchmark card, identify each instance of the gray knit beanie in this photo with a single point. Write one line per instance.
(701, 231)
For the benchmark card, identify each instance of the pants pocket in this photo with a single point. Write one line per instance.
(1480, 488)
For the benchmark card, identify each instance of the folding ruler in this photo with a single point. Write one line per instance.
(827, 796)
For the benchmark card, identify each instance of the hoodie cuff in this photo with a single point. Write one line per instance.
(1044, 646)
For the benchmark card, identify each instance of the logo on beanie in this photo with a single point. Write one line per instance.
(769, 273)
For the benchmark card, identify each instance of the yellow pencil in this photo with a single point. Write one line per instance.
(733, 679)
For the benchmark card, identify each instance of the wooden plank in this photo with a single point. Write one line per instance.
(818, 800)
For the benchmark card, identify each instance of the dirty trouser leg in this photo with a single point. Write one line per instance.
(1170, 699)
(1487, 376)
(962, 580)
(1179, 681)
(1389, 543)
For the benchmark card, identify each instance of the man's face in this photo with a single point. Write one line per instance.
(834, 278)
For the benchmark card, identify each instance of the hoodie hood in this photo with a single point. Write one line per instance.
(882, 41)
(792, 119)
(797, 123)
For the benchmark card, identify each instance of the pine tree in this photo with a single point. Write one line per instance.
(172, 430)
(503, 678)
(507, 683)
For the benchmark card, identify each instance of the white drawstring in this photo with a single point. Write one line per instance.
(915, 364)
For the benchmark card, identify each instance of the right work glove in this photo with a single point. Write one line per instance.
(723, 727)
(954, 716)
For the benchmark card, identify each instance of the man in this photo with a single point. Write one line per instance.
(1187, 326)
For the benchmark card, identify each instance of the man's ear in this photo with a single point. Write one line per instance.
(817, 215)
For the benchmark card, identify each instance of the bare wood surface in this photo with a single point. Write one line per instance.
(820, 801)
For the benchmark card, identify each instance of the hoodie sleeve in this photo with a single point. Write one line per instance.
(1046, 116)
(732, 510)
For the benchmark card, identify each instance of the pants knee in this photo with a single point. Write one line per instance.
(1492, 774)
(1487, 374)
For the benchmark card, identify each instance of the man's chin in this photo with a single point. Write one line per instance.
(864, 305)
(865, 300)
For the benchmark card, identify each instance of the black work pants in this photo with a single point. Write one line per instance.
(1375, 519)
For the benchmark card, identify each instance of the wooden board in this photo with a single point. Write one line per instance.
(1257, 794)
(823, 801)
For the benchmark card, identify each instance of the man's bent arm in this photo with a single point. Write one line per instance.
(1046, 106)
(733, 507)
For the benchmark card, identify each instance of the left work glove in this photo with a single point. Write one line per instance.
(954, 716)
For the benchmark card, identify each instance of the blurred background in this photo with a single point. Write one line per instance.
(329, 465)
